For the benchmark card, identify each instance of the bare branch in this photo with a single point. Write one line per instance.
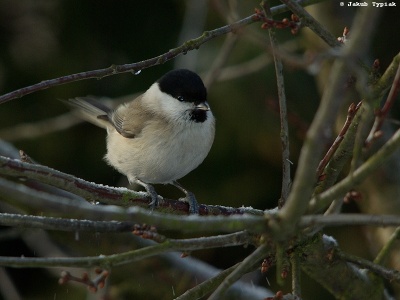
(57, 205)
(62, 224)
(349, 119)
(284, 134)
(382, 113)
(341, 150)
(340, 189)
(100, 193)
(319, 260)
(244, 267)
(384, 252)
(108, 261)
(321, 127)
(136, 67)
(205, 287)
(92, 284)
(310, 22)
(392, 275)
(68, 224)
(349, 219)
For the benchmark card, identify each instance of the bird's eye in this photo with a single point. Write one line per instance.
(180, 98)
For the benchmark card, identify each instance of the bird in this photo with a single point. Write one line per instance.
(159, 136)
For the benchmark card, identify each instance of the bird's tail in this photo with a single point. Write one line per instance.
(91, 110)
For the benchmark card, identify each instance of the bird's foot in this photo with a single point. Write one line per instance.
(190, 198)
(193, 204)
(151, 192)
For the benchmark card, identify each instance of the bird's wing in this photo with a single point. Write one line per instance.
(130, 118)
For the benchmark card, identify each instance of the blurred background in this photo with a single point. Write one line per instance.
(47, 39)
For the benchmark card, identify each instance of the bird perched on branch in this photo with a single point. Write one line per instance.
(160, 136)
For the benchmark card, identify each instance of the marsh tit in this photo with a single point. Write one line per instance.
(160, 136)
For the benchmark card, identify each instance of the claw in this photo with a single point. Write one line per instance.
(151, 191)
(190, 198)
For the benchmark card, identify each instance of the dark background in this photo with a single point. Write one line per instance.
(47, 39)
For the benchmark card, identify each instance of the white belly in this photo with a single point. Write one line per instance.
(154, 158)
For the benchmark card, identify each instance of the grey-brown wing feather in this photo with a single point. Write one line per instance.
(130, 118)
(90, 109)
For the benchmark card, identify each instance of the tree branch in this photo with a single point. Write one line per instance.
(68, 224)
(382, 113)
(392, 275)
(390, 244)
(342, 149)
(320, 261)
(349, 219)
(321, 127)
(109, 261)
(320, 201)
(310, 22)
(57, 205)
(206, 286)
(284, 133)
(136, 67)
(63, 224)
(244, 267)
(104, 194)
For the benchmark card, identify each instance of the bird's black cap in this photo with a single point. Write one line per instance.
(183, 85)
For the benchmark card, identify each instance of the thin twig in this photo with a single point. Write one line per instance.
(136, 67)
(108, 261)
(310, 22)
(376, 92)
(284, 133)
(206, 286)
(383, 254)
(342, 151)
(386, 80)
(382, 113)
(321, 127)
(203, 272)
(351, 112)
(63, 224)
(349, 219)
(244, 267)
(391, 275)
(92, 284)
(320, 201)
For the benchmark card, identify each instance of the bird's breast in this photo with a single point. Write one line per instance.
(161, 154)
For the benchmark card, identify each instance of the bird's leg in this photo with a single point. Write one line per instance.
(150, 190)
(190, 198)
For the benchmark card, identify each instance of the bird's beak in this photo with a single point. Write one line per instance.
(203, 106)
